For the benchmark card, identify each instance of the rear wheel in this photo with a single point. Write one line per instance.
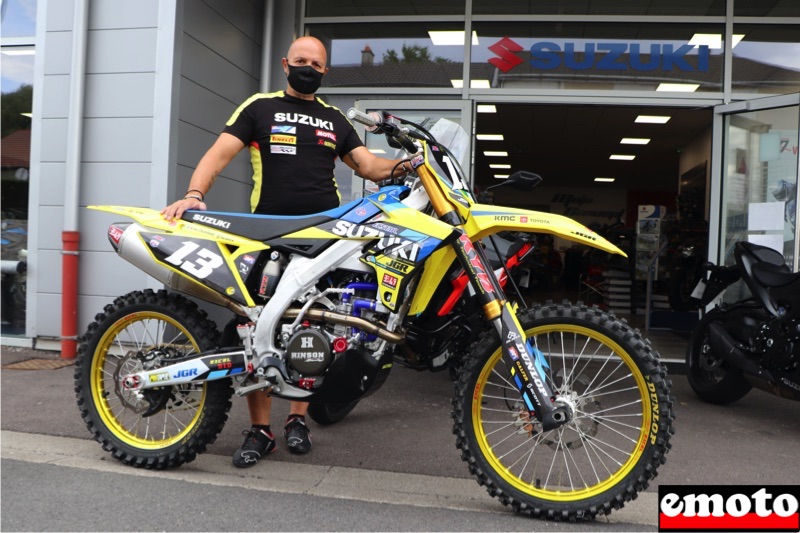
(326, 414)
(709, 375)
(163, 427)
(609, 450)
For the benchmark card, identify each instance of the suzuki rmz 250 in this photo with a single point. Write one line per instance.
(753, 342)
(560, 411)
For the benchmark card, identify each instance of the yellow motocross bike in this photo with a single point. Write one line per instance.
(561, 411)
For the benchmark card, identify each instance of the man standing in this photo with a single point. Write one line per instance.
(294, 139)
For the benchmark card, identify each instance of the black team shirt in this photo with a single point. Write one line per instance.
(293, 146)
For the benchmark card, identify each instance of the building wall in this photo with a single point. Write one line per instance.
(116, 158)
(162, 78)
(220, 68)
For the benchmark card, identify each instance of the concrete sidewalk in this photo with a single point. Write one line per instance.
(405, 428)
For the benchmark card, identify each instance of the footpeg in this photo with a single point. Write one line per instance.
(266, 384)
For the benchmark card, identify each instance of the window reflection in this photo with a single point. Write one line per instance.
(600, 56)
(767, 59)
(392, 55)
(602, 7)
(760, 183)
(18, 18)
(18, 28)
(326, 8)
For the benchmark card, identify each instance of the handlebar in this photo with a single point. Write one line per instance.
(376, 123)
(371, 121)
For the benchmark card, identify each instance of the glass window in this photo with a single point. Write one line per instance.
(392, 55)
(766, 58)
(18, 18)
(643, 57)
(759, 202)
(326, 8)
(766, 8)
(19, 25)
(601, 7)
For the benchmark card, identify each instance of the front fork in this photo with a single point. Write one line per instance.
(523, 359)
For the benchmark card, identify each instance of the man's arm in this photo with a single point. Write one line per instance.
(215, 159)
(374, 168)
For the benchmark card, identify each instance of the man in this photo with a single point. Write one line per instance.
(294, 139)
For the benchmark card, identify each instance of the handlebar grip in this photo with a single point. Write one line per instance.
(371, 121)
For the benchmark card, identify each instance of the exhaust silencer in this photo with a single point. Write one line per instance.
(131, 247)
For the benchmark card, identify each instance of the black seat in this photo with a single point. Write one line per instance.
(264, 227)
(774, 276)
(257, 227)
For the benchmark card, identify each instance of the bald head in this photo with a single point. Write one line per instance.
(309, 50)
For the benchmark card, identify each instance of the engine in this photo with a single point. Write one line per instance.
(329, 330)
(309, 351)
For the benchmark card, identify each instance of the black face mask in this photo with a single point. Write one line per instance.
(304, 80)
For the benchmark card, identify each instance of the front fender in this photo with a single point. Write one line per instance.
(490, 219)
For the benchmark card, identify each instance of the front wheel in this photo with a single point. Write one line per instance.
(618, 434)
(162, 427)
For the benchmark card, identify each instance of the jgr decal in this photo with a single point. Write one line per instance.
(200, 263)
(389, 244)
(300, 118)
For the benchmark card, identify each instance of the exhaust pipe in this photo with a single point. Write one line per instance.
(130, 246)
(723, 344)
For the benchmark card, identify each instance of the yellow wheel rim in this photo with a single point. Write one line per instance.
(120, 410)
(595, 450)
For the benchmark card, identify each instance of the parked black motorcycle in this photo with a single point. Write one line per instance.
(751, 343)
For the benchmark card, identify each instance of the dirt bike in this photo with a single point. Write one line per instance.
(437, 339)
(561, 411)
(753, 342)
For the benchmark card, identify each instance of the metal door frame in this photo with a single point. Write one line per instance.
(717, 159)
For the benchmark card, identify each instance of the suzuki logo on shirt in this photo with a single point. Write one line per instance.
(300, 118)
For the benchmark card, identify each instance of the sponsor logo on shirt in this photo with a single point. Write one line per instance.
(329, 144)
(290, 130)
(279, 149)
(300, 118)
(326, 134)
(283, 139)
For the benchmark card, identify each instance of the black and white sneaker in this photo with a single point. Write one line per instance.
(257, 443)
(298, 437)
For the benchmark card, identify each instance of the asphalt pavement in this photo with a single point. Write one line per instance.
(396, 448)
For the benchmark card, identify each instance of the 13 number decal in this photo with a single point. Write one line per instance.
(201, 266)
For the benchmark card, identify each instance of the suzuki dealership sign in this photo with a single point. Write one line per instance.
(547, 55)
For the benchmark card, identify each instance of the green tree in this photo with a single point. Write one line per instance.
(13, 104)
(412, 53)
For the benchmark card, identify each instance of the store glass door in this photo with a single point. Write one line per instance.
(754, 193)
(423, 112)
